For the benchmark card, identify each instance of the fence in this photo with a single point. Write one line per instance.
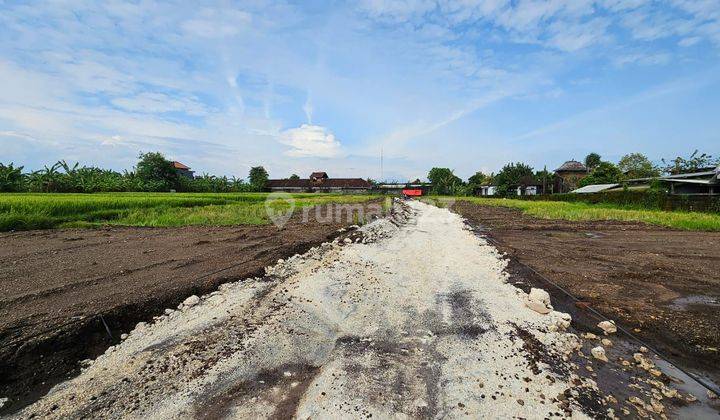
(641, 199)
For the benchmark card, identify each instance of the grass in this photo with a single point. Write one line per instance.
(583, 211)
(44, 211)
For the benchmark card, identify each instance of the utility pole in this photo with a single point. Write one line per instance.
(382, 175)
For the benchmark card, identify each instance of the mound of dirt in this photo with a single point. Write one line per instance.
(66, 295)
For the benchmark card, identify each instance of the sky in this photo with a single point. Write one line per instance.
(305, 86)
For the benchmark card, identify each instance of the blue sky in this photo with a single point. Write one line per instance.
(303, 86)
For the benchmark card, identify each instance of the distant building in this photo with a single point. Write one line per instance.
(320, 182)
(595, 188)
(569, 175)
(705, 181)
(183, 170)
(399, 187)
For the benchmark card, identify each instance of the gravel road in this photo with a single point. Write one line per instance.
(410, 316)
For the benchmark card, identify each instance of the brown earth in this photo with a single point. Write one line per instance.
(663, 285)
(62, 290)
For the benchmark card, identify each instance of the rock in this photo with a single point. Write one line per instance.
(657, 406)
(589, 336)
(123, 336)
(643, 361)
(191, 301)
(643, 349)
(348, 241)
(655, 372)
(607, 343)
(539, 295)
(538, 307)
(539, 301)
(168, 311)
(3, 401)
(599, 353)
(712, 395)
(608, 327)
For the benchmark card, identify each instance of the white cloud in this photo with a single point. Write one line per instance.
(149, 102)
(212, 23)
(310, 141)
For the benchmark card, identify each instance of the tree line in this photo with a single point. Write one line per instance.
(153, 173)
(631, 166)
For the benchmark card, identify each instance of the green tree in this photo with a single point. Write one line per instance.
(155, 172)
(637, 165)
(604, 173)
(592, 160)
(694, 163)
(11, 178)
(444, 181)
(510, 176)
(479, 179)
(258, 178)
(294, 177)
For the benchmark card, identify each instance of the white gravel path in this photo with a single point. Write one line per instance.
(418, 322)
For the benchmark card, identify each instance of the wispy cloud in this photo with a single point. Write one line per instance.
(278, 83)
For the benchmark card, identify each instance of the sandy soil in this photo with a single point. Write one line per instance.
(56, 284)
(662, 284)
(411, 316)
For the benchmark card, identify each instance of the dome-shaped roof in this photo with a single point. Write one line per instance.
(572, 166)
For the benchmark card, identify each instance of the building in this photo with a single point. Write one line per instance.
(703, 182)
(398, 187)
(590, 189)
(321, 182)
(527, 185)
(183, 170)
(569, 175)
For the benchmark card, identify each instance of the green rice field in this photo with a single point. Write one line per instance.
(24, 211)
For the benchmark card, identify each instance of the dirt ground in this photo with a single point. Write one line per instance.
(661, 284)
(64, 292)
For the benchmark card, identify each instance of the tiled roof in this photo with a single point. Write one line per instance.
(178, 165)
(328, 183)
(572, 166)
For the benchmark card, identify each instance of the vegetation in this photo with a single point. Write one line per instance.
(41, 211)
(653, 199)
(153, 173)
(258, 178)
(592, 160)
(637, 165)
(604, 173)
(694, 163)
(11, 178)
(510, 176)
(585, 211)
(445, 182)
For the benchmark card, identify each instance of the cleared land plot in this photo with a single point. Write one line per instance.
(55, 284)
(42, 211)
(664, 282)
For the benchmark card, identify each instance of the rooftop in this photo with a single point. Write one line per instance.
(572, 166)
(178, 165)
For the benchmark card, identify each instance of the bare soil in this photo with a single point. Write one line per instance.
(663, 285)
(66, 295)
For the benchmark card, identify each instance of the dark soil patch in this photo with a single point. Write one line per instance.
(57, 287)
(632, 272)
